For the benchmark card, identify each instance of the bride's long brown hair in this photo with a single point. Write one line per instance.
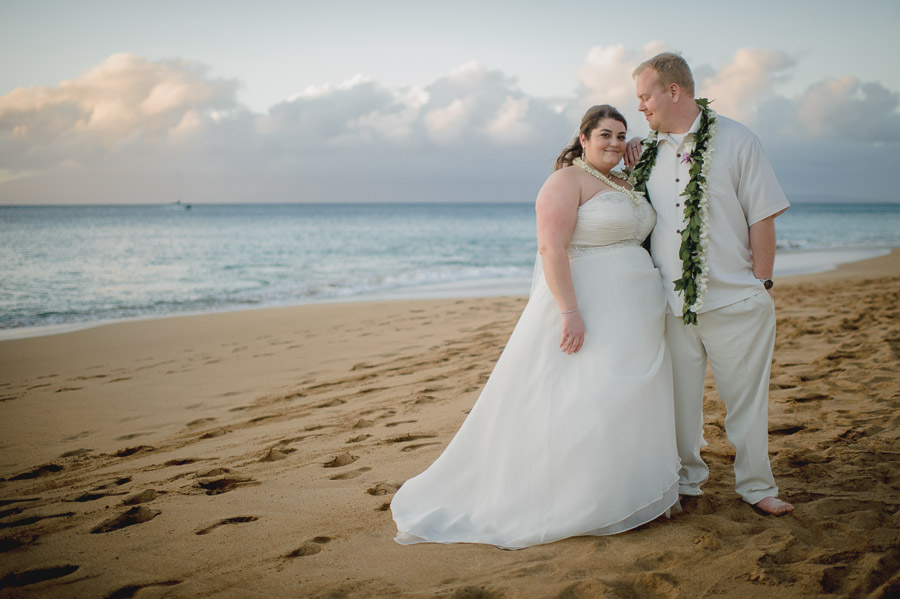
(589, 122)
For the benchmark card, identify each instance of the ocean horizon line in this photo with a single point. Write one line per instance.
(805, 202)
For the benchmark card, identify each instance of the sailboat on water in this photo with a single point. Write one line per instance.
(178, 204)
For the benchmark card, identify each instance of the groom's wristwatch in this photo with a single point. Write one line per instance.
(767, 283)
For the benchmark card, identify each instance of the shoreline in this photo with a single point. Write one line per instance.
(794, 263)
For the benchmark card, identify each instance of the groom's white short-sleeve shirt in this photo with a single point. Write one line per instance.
(743, 190)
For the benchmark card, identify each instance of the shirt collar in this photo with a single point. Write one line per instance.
(677, 139)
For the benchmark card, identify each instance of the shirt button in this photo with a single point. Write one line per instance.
(678, 231)
(677, 205)
(677, 180)
(678, 155)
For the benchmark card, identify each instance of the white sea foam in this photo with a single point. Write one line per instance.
(812, 261)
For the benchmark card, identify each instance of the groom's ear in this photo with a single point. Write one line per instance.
(674, 92)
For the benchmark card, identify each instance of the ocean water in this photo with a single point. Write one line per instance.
(66, 265)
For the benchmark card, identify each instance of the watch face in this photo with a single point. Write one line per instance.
(768, 283)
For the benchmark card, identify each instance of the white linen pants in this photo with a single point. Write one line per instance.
(738, 340)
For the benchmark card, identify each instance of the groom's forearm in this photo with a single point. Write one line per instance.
(762, 247)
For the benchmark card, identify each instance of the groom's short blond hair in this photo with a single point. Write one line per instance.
(671, 68)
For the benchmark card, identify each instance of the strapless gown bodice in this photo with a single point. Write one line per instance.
(612, 218)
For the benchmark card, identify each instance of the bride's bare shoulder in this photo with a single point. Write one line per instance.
(562, 187)
(566, 177)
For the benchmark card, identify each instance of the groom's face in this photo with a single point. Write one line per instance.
(653, 100)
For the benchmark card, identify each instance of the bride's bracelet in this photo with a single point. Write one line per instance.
(575, 309)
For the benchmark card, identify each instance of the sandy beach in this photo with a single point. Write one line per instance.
(255, 453)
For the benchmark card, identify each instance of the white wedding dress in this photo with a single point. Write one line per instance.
(562, 445)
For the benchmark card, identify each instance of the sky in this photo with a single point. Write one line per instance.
(271, 101)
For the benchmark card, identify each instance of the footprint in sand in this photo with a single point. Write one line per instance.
(136, 515)
(344, 459)
(417, 446)
(213, 472)
(810, 396)
(224, 485)
(180, 461)
(331, 404)
(472, 592)
(143, 497)
(261, 418)
(122, 453)
(408, 437)
(38, 471)
(834, 578)
(351, 474)
(131, 590)
(785, 429)
(10, 543)
(369, 390)
(93, 496)
(383, 489)
(392, 424)
(116, 483)
(28, 520)
(234, 520)
(273, 455)
(74, 453)
(310, 547)
(29, 577)
(11, 511)
(316, 427)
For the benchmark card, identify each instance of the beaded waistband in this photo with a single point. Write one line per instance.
(577, 251)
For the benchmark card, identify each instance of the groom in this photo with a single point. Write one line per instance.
(722, 303)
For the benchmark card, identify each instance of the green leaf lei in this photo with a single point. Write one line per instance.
(695, 235)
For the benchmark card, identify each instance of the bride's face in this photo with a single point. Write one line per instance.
(606, 145)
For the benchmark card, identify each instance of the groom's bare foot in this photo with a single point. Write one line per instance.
(774, 506)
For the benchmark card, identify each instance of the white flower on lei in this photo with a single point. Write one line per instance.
(702, 279)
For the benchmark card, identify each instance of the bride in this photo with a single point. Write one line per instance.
(573, 433)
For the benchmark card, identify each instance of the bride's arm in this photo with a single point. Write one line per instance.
(557, 209)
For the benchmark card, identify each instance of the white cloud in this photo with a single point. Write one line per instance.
(605, 78)
(446, 125)
(737, 89)
(850, 109)
(511, 125)
(125, 100)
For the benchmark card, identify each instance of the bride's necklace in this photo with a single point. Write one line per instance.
(635, 196)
